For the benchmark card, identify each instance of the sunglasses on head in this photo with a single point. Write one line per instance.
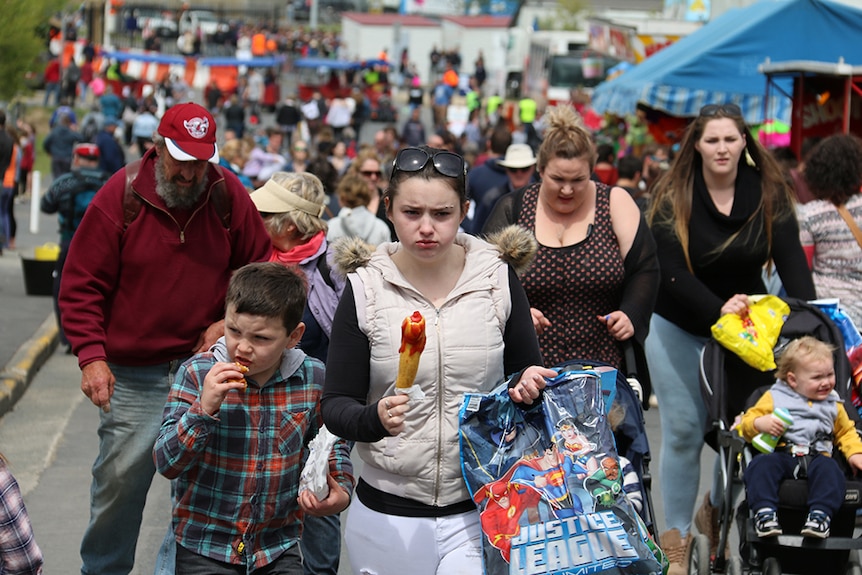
(726, 109)
(370, 173)
(415, 159)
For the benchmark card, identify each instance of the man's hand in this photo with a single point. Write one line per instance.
(97, 383)
(336, 502)
(210, 336)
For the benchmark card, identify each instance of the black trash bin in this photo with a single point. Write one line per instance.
(38, 276)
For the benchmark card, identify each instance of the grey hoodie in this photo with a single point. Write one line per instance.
(358, 223)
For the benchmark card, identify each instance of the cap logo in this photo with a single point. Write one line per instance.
(197, 127)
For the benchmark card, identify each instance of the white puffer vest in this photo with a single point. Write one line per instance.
(463, 353)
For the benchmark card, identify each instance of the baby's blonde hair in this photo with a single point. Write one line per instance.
(799, 351)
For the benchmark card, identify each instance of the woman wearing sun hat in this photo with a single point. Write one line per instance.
(292, 206)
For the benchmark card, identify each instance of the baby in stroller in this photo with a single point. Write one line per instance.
(805, 387)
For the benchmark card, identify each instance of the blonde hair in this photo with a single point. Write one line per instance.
(565, 137)
(308, 187)
(800, 351)
(235, 151)
(361, 157)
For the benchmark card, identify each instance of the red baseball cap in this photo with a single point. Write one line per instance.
(190, 133)
(86, 150)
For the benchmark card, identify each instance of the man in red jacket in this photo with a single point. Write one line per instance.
(143, 289)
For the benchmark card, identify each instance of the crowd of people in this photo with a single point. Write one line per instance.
(634, 250)
(17, 155)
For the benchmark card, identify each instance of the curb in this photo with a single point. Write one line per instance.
(28, 359)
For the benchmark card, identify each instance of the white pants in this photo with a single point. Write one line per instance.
(380, 544)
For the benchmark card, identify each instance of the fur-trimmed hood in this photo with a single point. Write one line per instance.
(517, 247)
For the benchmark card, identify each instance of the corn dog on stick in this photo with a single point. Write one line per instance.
(412, 344)
(243, 369)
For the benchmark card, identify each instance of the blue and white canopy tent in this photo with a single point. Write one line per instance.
(719, 63)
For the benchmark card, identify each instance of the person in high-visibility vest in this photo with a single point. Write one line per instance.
(492, 104)
(473, 100)
(527, 110)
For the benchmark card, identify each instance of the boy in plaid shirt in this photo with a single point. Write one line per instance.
(235, 430)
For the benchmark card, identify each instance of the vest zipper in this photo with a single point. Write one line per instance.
(440, 407)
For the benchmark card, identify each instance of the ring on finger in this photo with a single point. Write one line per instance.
(388, 414)
(386, 403)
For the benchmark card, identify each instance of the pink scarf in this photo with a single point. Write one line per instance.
(299, 253)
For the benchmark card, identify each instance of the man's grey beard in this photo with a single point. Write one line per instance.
(174, 195)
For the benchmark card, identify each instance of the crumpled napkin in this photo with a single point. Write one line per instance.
(314, 474)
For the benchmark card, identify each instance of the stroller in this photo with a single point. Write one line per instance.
(728, 387)
(630, 436)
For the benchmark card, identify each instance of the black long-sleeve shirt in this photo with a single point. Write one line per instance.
(693, 301)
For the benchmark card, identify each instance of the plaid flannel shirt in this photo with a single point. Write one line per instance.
(237, 473)
(19, 554)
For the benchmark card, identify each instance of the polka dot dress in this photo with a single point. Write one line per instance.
(572, 285)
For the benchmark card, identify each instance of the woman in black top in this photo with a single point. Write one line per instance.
(721, 214)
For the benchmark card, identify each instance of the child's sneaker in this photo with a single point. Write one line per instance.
(817, 525)
(766, 523)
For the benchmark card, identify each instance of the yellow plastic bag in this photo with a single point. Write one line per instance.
(753, 337)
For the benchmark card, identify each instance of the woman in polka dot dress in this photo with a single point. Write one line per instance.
(595, 278)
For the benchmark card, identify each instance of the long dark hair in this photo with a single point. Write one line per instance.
(672, 194)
